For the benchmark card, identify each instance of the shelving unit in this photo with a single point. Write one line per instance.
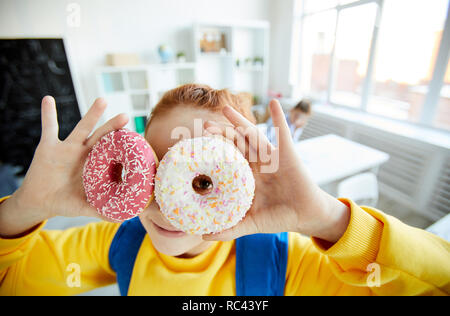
(238, 41)
(135, 90)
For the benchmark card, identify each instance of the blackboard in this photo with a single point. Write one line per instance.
(29, 70)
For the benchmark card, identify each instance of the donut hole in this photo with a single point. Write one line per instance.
(202, 184)
(117, 172)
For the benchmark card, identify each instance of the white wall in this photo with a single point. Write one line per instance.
(280, 49)
(129, 26)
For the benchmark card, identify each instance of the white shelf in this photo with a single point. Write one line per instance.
(243, 40)
(175, 66)
(216, 55)
(250, 69)
(135, 90)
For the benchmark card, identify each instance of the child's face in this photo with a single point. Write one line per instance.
(165, 238)
(298, 118)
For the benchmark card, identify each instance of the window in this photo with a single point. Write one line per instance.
(406, 53)
(317, 44)
(442, 116)
(377, 56)
(353, 39)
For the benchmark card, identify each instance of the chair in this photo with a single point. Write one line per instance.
(441, 228)
(361, 188)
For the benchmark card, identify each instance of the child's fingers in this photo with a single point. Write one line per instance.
(247, 143)
(86, 125)
(248, 129)
(236, 118)
(213, 128)
(49, 120)
(280, 124)
(229, 133)
(116, 123)
(234, 136)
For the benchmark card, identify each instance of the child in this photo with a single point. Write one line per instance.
(297, 119)
(353, 250)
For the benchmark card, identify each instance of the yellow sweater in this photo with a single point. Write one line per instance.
(376, 250)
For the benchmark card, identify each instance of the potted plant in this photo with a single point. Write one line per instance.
(258, 61)
(181, 57)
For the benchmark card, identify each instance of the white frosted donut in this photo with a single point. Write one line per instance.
(204, 185)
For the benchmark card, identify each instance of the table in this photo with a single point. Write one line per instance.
(331, 158)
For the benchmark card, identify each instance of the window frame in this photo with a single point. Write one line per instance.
(431, 100)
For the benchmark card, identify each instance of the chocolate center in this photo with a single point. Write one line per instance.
(202, 184)
(117, 172)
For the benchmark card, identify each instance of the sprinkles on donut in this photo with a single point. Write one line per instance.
(118, 175)
(204, 185)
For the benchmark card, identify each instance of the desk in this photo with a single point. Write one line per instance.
(331, 158)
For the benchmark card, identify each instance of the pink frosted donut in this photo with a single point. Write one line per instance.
(118, 175)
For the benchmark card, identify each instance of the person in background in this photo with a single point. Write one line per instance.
(297, 119)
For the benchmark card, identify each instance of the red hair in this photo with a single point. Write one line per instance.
(202, 96)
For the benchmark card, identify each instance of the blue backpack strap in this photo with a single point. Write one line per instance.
(261, 262)
(124, 249)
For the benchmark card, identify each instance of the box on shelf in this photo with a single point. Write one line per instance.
(213, 40)
(122, 59)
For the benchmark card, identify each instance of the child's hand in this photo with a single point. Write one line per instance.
(286, 199)
(53, 184)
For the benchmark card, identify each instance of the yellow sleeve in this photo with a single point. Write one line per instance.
(377, 255)
(57, 262)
